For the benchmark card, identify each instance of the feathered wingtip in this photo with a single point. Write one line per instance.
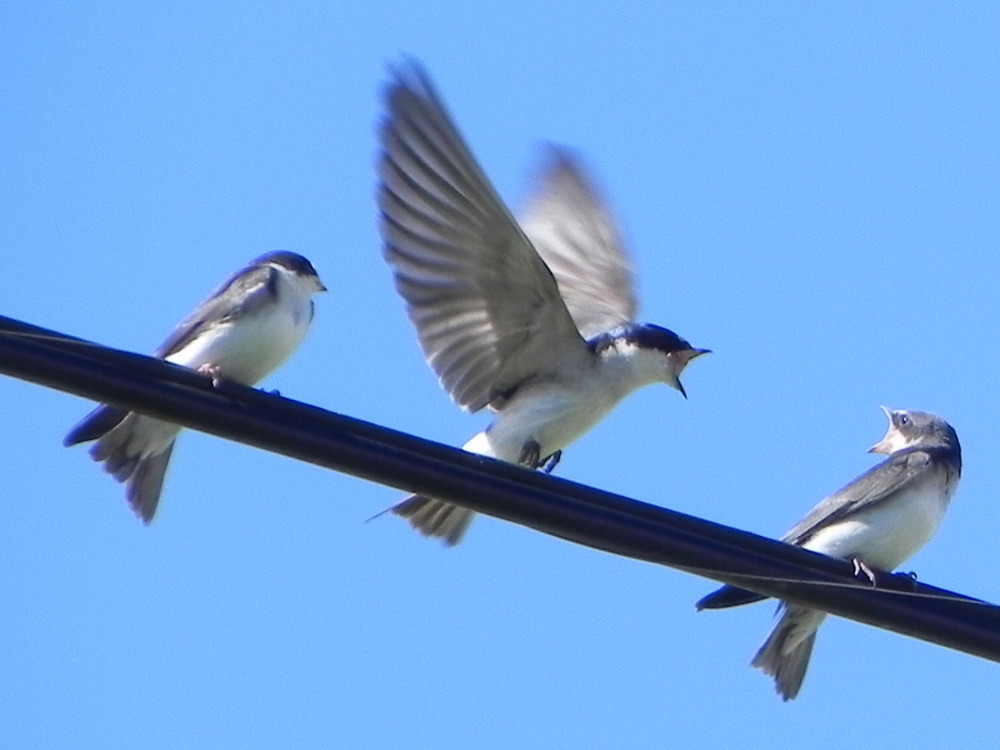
(728, 596)
(95, 425)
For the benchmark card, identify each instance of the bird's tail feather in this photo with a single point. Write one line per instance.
(785, 654)
(435, 518)
(142, 490)
(141, 474)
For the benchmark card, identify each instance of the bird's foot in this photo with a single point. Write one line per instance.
(212, 371)
(861, 568)
(530, 454)
(551, 462)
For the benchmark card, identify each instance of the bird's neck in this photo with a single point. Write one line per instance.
(625, 366)
(290, 290)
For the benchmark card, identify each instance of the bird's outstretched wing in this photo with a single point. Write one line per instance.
(576, 235)
(487, 310)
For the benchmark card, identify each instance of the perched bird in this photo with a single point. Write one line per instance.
(245, 329)
(880, 519)
(534, 321)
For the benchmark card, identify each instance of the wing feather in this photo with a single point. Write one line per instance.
(487, 310)
(243, 293)
(869, 489)
(577, 236)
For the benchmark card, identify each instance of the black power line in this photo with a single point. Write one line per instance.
(571, 511)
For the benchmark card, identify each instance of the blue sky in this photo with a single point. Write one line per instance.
(808, 189)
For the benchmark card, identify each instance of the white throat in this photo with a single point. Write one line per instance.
(626, 367)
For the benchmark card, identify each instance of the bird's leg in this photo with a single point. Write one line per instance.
(530, 454)
(551, 462)
(860, 566)
(213, 371)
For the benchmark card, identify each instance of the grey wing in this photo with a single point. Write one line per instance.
(867, 490)
(578, 238)
(243, 293)
(486, 308)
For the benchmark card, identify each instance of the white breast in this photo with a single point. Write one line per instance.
(890, 532)
(556, 411)
(554, 416)
(251, 347)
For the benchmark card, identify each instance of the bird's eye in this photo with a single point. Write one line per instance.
(904, 420)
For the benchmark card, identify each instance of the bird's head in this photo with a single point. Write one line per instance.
(909, 428)
(657, 350)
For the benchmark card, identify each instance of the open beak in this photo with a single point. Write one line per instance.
(882, 446)
(887, 444)
(682, 359)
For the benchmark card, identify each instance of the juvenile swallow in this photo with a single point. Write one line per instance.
(245, 329)
(534, 321)
(880, 519)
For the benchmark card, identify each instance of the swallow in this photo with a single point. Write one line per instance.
(879, 520)
(241, 332)
(533, 320)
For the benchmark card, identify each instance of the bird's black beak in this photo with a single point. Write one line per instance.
(683, 358)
